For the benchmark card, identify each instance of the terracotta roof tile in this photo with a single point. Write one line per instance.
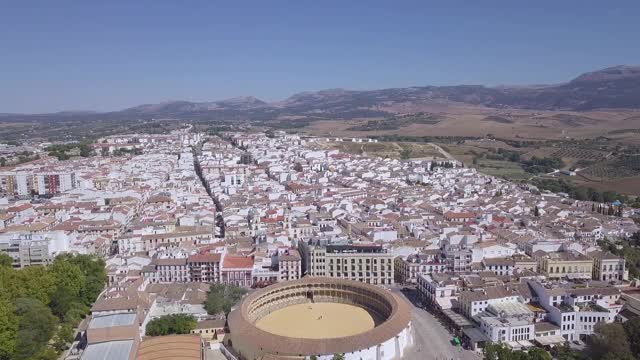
(236, 262)
(204, 258)
(177, 347)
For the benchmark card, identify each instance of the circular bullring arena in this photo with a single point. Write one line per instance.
(322, 317)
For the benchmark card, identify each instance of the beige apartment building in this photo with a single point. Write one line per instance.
(524, 263)
(289, 265)
(27, 250)
(608, 267)
(370, 264)
(571, 265)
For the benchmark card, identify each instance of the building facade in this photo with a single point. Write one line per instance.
(571, 265)
(437, 290)
(204, 267)
(429, 262)
(608, 267)
(370, 264)
(289, 265)
(28, 250)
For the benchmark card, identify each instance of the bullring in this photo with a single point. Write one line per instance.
(369, 322)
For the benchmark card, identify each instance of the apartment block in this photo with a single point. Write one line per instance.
(27, 250)
(570, 264)
(204, 267)
(608, 267)
(370, 264)
(409, 269)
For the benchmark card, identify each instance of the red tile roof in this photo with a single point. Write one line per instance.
(236, 262)
(460, 215)
(271, 220)
(19, 208)
(203, 258)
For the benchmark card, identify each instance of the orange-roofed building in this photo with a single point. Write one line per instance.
(176, 347)
(236, 270)
(204, 267)
(460, 217)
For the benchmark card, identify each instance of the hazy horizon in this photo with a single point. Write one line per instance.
(67, 56)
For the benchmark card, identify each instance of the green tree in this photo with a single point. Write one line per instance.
(632, 329)
(497, 351)
(37, 283)
(157, 328)
(8, 329)
(222, 298)
(92, 289)
(171, 324)
(88, 264)
(338, 357)
(46, 353)
(609, 196)
(564, 352)
(64, 337)
(93, 269)
(214, 303)
(233, 294)
(76, 313)
(5, 260)
(580, 193)
(85, 150)
(68, 276)
(183, 324)
(609, 341)
(538, 354)
(596, 196)
(36, 325)
(27, 325)
(405, 154)
(11, 286)
(62, 301)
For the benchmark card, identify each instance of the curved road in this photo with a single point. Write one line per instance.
(431, 339)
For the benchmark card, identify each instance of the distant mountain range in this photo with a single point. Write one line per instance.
(614, 87)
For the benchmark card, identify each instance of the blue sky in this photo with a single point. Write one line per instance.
(108, 55)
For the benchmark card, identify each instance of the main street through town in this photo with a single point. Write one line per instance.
(432, 340)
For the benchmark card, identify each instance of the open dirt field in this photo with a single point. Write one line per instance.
(318, 321)
(502, 169)
(626, 185)
(509, 124)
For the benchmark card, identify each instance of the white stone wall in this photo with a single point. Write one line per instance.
(389, 350)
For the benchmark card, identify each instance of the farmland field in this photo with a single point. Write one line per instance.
(577, 153)
(608, 172)
(503, 169)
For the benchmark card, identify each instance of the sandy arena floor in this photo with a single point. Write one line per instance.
(318, 321)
